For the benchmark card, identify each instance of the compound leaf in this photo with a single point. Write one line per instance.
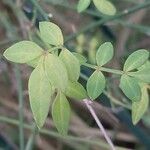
(136, 59)
(130, 87)
(105, 7)
(51, 33)
(82, 5)
(23, 52)
(104, 53)
(56, 72)
(61, 113)
(40, 92)
(76, 91)
(140, 107)
(95, 84)
(72, 64)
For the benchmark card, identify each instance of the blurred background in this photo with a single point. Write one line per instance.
(129, 30)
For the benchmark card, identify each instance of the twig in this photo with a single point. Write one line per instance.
(20, 98)
(107, 19)
(88, 104)
(39, 8)
(30, 143)
(57, 135)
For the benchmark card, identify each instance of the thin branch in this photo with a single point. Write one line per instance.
(20, 98)
(31, 140)
(107, 19)
(88, 104)
(57, 135)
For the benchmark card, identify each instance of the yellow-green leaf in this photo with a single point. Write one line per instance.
(104, 53)
(72, 64)
(130, 87)
(140, 107)
(95, 84)
(145, 65)
(40, 92)
(23, 52)
(82, 5)
(136, 59)
(80, 58)
(143, 75)
(105, 7)
(33, 63)
(51, 33)
(76, 91)
(61, 113)
(56, 72)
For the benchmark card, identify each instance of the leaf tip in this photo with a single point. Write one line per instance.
(134, 121)
(5, 54)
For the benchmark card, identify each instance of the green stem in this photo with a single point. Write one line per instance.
(114, 71)
(90, 66)
(57, 135)
(38, 7)
(109, 18)
(31, 140)
(117, 102)
(20, 98)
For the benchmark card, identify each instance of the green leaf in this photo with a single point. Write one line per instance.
(80, 58)
(82, 5)
(140, 107)
(56, 72)
(130, 87)
(33, 63)
(95, 84)
(40, 92)
(145, 65)
(143, 75)
(105, 7)
(72, 64)
(23, 52)
(76, 91)
(51, 33)
(61, 113)
(104, 53)
(136, 59)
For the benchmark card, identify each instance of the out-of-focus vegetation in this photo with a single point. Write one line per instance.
(129, 30)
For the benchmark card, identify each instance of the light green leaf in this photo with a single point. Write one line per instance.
(23, 52)
(80, 58)
(95, 84)
(136, 59)
(140, 107)
(145, 65)
(33, 63)
(130, 87)
(143, 75)
(56, 72)
(105, 7)
(40, 92)
(72, 64)
(61, 113)
(51, 33)
(82, 5)
(76, 91)
(104, 53)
